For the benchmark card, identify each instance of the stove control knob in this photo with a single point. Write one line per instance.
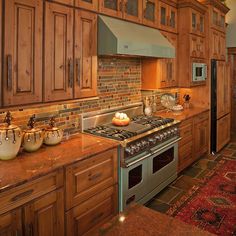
(144, 143)
(129, 151)
(137, 147)
(169, 133)
(165, 134)
(162, 136)
(152, 141)
(158, 137)
(176, 130)
(172, 131)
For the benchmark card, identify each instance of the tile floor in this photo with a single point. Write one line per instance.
(190, 177)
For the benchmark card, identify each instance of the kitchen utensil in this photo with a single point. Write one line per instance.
(10, 139)
(147, 107)
(33, 137)
(53, 135)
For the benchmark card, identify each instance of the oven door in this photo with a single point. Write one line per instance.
(163, 165)
(133, 184)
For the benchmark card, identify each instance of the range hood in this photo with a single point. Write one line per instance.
(118, 37)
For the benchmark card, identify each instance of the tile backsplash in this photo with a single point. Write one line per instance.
(119, 84)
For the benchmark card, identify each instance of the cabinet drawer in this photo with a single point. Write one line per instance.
(201, 117)
(26, 192)
(86, 178)
(93, 212)
(186, 133)
(185, 152)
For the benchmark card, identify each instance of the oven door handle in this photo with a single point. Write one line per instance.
(166, 146)
(138, 160)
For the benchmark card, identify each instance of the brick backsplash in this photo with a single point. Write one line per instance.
(119, 84)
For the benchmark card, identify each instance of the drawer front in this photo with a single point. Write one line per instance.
(26, 192)
(86, 178)
(186, 133)
(93, 212)
(201, 117)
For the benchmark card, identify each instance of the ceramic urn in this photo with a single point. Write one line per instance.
(10, 139)
(32, 137)
(53, 135)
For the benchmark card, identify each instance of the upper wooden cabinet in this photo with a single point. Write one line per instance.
(22, 78)
(197, 22)
(58, 67)
(70, 76)
(66, 2)
(217, 19)
(167, 17)
(218, 46)
(160, 73)
(197, 46)
(85, 51)
(133, 10)
(150, 12)
(87, 4)
(111, 7)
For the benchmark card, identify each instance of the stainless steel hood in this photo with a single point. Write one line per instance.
(118, 37)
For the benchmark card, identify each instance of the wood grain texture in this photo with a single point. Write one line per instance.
(58, 52)
(93, 5)
(147, 21)
(85, 81)
(223, 132)
(116, 11)
(23, 43)
(130, 13)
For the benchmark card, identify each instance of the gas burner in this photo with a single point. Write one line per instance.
(110, 132)
(154, 121)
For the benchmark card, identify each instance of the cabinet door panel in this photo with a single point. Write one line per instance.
(150, 12)
(67, 2)
(215, 44)
(58, 52)
(223, 132)
(23, 52)
(193, 46)
(222, 46)
(227, 89)
(45, 215)
(133, 10)
(85, 54)
(111, 7)
(87, 4)
(10, 223)
(163, 12)
(220, 89)
(172, 18)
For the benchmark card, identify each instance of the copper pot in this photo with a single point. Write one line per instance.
(10, 139)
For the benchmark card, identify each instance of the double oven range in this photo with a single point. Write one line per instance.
(148, 151)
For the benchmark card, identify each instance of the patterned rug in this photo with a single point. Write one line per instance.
(212, 205)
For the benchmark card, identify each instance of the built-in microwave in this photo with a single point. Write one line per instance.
(199, 72)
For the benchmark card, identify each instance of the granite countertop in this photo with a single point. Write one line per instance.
(28, 166)
(183, 115)
(141, 221)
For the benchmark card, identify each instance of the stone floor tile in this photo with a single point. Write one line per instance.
(158, 206)
(192, 171)
(185, 182)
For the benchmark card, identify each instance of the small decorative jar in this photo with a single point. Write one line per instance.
(33, 137)
(10, 139)
(53, 135)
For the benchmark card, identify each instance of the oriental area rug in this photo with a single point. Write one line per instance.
(211, 205)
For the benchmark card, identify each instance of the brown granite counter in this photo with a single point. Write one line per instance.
(141, 221)
(184, 115)
(28, 166)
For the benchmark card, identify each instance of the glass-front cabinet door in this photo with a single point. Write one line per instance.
(111, 7)
(150, 12)
(172, 19)
(87, 4)
(163, 8)
(133, 10)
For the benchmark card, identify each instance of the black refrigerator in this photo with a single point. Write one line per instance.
(220, 105)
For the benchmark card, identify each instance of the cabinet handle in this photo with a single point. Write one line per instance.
(9, 72)
(21, 195)
(96, 176)
(70, 73)
(78, 70)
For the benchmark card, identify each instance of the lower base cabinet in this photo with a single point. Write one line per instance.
(43, 216)
(195, 139)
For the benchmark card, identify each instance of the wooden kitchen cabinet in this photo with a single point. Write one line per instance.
(85, 51)
(22, 76)
(218, 47)
(111, 7)
(45, 216)
(160, 73)
(197, 23)
(87, 4)
(201, 135)
(84, 218)
(133, 10)
(58, 65)
(11, 223)
(66, 2)
(167, 17)
(197, 46)
(150, 13)
(223, 132)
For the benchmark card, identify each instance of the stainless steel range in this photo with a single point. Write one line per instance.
(148, 151)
